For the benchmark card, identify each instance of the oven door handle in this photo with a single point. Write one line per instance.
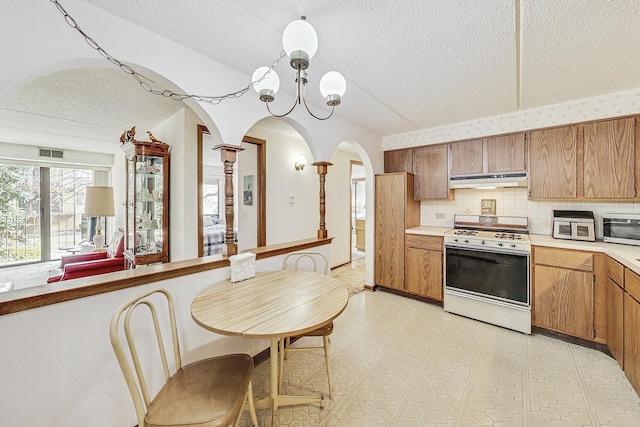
(487, 250)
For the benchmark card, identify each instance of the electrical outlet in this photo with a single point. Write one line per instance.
(439, 215)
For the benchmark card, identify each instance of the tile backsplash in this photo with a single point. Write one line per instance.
(514, 202)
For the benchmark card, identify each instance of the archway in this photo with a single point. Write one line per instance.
(341, 220)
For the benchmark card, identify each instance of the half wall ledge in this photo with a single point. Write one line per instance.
(53, 293)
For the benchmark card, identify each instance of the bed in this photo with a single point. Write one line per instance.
(213, 232)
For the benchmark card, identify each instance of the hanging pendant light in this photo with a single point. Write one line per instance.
(300, 43)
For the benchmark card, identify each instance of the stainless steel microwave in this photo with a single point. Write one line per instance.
(621, 228)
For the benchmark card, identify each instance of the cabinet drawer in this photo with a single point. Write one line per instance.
(433, 243)
(563, 258)
(616, 271)
(632, 283)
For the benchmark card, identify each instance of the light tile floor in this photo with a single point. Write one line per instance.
(401, 362)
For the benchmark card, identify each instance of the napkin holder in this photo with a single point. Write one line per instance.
(243, 266)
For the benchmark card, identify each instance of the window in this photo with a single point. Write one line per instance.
(41, 212)
(211, 196)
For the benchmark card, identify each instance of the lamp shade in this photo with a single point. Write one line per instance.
(99, 202)
(300, 35)
(333, 83)
(271, 81)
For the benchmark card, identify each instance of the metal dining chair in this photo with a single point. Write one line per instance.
(317, 262)
(210, 392)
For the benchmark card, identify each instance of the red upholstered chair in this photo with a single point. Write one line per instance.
(82, 265)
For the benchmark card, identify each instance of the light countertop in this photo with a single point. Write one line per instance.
(426, 230)
(627, 255)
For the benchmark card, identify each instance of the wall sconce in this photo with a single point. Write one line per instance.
(301, 162)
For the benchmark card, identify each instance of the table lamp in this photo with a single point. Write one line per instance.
(99, 203)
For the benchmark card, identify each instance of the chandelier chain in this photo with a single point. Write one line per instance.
(148, 84)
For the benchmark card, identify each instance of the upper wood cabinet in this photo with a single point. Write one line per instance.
(552, 163)
(506, 153)
(431, 169)
(398, 161)
(587, 161)
(499, 154)
(609, 159)
(467, 157)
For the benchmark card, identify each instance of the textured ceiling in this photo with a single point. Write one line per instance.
(81, 108)
(409, 65)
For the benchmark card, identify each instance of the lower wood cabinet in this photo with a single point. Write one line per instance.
(615, 321)
(569, 292)
(423, 266)
(615, 310)
(632, 341)
(563, 301)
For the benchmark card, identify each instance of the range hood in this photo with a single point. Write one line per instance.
(489, 181)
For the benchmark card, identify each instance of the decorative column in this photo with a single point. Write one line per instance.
(323, 168)
(228, 156)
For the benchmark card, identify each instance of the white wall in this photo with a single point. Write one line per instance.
(289, 221)
(180, 133)
(248, 214)
(58, 368)
(338, 216)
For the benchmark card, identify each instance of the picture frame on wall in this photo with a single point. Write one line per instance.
(247, 198)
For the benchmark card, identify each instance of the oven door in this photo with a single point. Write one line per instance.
(500, 276)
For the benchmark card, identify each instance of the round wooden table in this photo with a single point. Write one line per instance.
(272, 305)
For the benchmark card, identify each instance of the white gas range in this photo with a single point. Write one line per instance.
(487, 270)
(497, 240)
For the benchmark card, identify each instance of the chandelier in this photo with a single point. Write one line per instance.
(300, 43)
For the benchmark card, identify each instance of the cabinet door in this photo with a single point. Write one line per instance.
(615, 323)
(563, 301)
(466, 157)
(430, 165)
(389, 230)
(360, 233)
(609, 157)
(552, 163)
(423, 273)
(506, 153)
(632, 341)
(398, 161)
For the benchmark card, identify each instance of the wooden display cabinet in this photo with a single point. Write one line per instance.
(147, 203)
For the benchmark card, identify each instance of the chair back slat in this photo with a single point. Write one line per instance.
(137, 383)
(317, 259)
